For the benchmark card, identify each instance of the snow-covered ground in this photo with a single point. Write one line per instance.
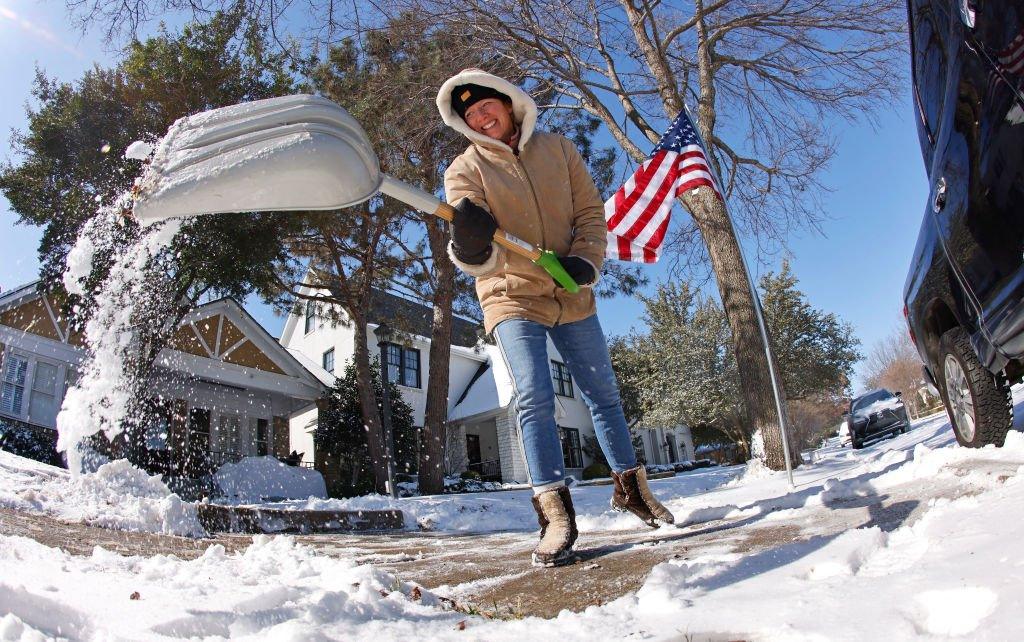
(950, 572)
(117, 496)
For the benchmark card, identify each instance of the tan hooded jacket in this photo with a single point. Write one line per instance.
(545, 196)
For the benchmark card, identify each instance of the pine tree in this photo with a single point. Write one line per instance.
(71, 164)
(340, 437)
(683, 368)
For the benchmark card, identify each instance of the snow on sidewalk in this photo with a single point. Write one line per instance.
(117, 496)
(950, 574)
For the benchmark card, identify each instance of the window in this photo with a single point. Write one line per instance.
(930, 23)
(12, 395)
(328, 360)
(261, 437)
(227, 437)
(199, 429)
(572, 455)
(310, 316)
(563, 380)
(403, 365)
(42, 404)
(71, 378)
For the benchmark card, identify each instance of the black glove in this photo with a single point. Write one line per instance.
(472, 230)
(581, 271)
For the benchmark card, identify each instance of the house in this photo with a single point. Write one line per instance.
(662, 446)
(481, 432)
(222, 390)
(325, 347)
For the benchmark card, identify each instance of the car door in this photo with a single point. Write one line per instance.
(976, 170)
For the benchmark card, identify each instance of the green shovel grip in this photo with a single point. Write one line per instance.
(549, 261)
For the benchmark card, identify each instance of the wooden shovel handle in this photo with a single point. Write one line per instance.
(501, 237)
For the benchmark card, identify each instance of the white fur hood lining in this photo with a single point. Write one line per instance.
(524, 110)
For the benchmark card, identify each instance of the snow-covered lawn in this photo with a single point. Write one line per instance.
(952, 571)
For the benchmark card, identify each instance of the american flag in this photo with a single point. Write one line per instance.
(639, 212)
(1011, 58)
(1009, 63)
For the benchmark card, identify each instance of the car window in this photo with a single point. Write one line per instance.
(928, 30)
(868, 399)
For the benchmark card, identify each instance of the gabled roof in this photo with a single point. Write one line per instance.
(411, 316)
(490, 391)
(479, 398)
(415, 317)
(14, 295)
(224, 331)
(218, 339)
(326, 378)
(27, 309)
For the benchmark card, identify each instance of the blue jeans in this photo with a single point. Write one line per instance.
(585, 351)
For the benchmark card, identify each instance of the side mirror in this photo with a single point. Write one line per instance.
(898, 393)
(967, 12)
(846, 413)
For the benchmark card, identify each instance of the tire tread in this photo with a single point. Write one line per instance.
(991, 393)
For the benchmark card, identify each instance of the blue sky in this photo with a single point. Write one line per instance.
(856, 269)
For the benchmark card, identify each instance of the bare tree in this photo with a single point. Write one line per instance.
(348, 257)
(894, 364)
(763, 78)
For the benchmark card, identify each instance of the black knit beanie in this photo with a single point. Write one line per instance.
(465, 96)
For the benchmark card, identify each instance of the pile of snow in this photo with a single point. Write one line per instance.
(257, 479)
(275, 589)
(117, 496)
(945, 573)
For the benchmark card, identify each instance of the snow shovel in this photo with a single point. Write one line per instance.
(292, 153)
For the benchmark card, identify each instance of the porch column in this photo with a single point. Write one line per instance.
(280, 438)
(510, 449)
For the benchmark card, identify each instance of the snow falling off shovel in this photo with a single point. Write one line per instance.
(292, 153)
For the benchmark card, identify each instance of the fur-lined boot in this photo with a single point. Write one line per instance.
(557, 519)
(634, 495)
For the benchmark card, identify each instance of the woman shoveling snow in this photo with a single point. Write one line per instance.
(535, 185)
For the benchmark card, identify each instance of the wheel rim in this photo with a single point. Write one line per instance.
(960, 399)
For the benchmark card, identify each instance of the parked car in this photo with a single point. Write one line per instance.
(964, 294)
(876, 414)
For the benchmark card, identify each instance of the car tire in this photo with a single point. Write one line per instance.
(977, 402)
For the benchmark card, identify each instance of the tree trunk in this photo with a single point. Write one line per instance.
(368, 405)
(432, 442)
(734, 285)
(710, 215)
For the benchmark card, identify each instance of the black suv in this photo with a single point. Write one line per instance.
(876, 414)
(964, 296)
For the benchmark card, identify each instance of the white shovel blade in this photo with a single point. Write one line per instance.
(292, 153)
(221, 124)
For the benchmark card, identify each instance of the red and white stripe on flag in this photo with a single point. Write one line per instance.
(638, 213)
(1011, 58)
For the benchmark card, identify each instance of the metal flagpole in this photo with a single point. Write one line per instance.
(776, 388)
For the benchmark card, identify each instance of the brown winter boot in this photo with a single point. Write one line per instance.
(557, 519)
(633, 494)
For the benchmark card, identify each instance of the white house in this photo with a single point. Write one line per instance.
(481, 421)
(224, 388)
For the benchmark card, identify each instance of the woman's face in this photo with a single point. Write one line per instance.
(492, 118)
